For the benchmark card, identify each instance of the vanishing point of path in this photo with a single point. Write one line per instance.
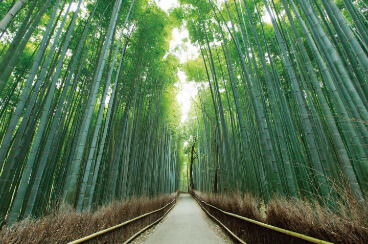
(186, 223)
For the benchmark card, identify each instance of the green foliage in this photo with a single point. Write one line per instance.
(281, 109)
(194, 70)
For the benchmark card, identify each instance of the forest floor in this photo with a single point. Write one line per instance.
(186, 223)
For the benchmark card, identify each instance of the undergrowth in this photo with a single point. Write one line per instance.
(65, 224)
(346, 224)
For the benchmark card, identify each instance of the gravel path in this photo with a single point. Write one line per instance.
(186, 223)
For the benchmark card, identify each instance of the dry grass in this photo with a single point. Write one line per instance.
(66, 224)
(349, 225)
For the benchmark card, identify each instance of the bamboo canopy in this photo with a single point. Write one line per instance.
(88, 108)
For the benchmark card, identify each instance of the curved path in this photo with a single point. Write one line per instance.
(184, 224)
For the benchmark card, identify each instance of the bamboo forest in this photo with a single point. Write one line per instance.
(90, 111)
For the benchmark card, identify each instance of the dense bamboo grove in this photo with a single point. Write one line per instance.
(84, 94)
(283, 106)
(88, 111)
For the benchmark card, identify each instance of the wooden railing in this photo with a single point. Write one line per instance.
(270, 227)
(105, 231)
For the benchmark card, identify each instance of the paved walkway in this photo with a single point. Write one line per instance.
(184, 224)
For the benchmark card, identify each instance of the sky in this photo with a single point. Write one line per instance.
(187, 89)
(184, 51)
(166, 4)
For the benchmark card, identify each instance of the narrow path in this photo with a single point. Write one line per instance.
(186, 223)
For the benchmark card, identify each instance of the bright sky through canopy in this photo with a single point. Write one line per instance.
(183, 50)
(166, 4)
